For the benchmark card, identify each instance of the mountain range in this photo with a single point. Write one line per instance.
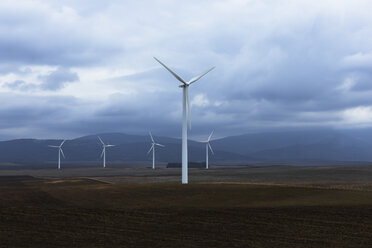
(301, 145)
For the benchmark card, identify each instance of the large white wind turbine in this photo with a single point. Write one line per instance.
(153, 144)
(60, 151)
(207, 145)
(186, 101)
(104, 151)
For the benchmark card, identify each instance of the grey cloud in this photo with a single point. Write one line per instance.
(53, 81)
(21, 85)
(358, 60)
(273, 69)
(360, 79)
(27, 116)
(58, 79)
(40, 34)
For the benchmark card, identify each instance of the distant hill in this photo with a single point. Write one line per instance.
(87, 150)
(305, 145)
(333, 145)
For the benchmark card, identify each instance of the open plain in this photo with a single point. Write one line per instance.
(253, 206)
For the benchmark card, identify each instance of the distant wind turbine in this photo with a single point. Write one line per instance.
(60, 151)
(207, 145)
(153, 144)
(186, 101)
(104, 151)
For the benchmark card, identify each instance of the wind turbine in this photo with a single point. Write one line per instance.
(153, 150)
(186, 101)
(104, 151)
(60, 151)
(207, 145)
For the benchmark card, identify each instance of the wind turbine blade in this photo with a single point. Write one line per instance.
(109, 145)
(194, 79)
(210, 136)
(159, 145)
(209, 145)
(152, 139)
(173, 73)
(151, 148)
(103, 151)
(188, 105)
(101, 140)
(62, 152)
(54, 146)
(62, 143)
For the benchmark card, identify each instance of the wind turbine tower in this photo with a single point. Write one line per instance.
(153, 144)
(103, 154)
(185, 108)
(207, 146)
(60, 151)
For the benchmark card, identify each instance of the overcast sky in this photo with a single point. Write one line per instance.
(71, 68)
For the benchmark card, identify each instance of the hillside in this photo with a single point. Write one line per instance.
(87, 150)
(318, 146)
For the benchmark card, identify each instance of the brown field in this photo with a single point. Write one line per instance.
(222, 207)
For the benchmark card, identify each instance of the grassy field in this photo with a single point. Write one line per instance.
(84, 212)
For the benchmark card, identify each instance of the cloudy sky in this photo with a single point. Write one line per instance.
(76, 67)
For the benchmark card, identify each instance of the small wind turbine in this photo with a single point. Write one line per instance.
(104, 151)
(186, 101)
(60, 151)
(153, 150)
(207, 145)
